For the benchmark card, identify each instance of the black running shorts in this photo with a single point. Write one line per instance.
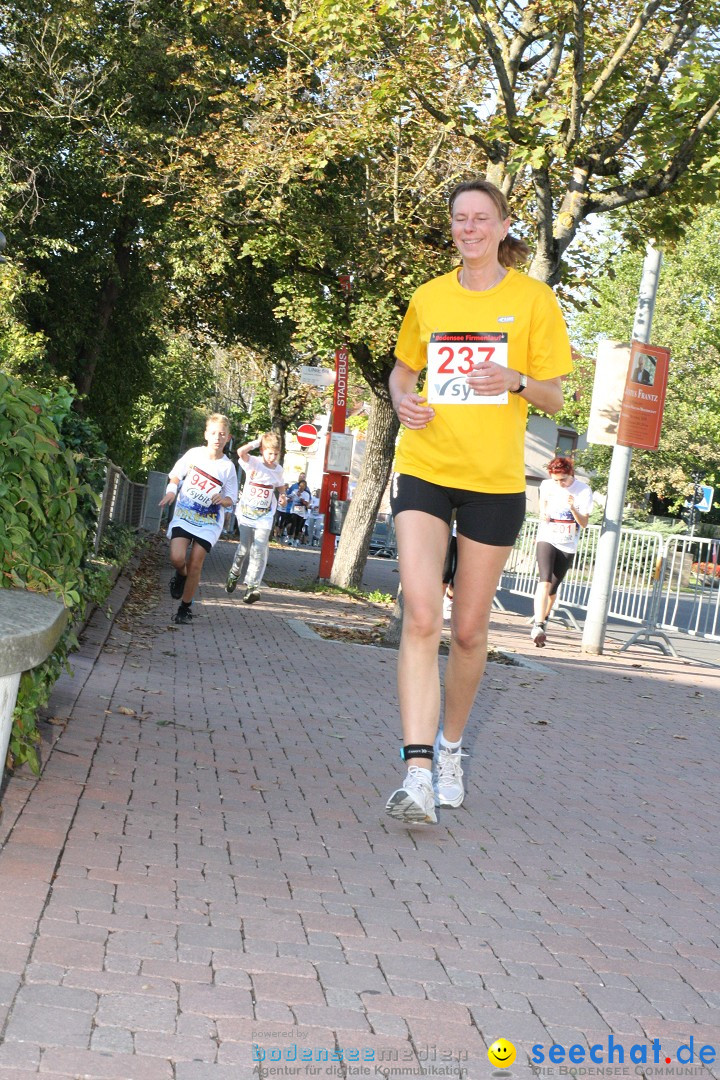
(553, 564)
(494, 519)
(179, 533)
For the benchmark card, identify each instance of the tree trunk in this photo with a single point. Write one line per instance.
(391, 637)
(352, 551)
(107, 302)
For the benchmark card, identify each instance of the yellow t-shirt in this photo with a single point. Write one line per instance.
(469, 445)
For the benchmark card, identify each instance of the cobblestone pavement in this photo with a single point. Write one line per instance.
(203, 875)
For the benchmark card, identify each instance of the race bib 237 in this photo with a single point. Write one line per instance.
(451, 358)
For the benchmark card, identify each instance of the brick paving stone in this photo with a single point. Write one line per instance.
(288, 989)
(361, 978)
(518, 1027)
(48, 1025)
(342, 998)
(508, 1000)
(215, 1001)
(107, 982)
(196, 1070)
(122, 963)
(175, 972)
(450, 1038)
(197, 1027)
(61, 997)
(419, 1007)
(371, 951)
(406, 988)
(275, 1012)
(337, 1017)
(99, 1066)
(113, 1040)
(461, 995)
(623, 1024)
(19, 1055)
(329, 941)
(381, 1024)
(137, 1013)
(173, 1048)
(622, 1001)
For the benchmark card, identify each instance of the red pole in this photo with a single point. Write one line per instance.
(334, 482)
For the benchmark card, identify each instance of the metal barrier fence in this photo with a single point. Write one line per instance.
(690, 598)
(661, 584)
(123, 502)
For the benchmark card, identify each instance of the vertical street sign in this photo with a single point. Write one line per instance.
(643, 401)
(334, 483)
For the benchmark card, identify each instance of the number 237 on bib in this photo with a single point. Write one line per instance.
(452, 356)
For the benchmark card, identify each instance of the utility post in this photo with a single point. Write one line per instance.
(696, 497)
(593, 637)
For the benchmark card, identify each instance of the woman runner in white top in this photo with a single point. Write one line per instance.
(565, 506)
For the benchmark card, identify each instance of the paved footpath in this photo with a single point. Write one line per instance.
(202, 884)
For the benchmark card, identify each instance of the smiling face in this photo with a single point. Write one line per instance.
(477, 227)
(501, 1053)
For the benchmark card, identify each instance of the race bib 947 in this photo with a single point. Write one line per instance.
(452, 356)
(199, 487)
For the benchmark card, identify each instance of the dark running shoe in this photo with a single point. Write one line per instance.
(184, 615)
(177, 586)
(231, 582)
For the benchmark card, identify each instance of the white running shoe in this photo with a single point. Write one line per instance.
(538, 635)
(447, 608)
(414, 802)
(448, 779)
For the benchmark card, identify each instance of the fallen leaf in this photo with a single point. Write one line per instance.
(126, 712)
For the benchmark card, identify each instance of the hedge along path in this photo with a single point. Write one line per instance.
(47, 510)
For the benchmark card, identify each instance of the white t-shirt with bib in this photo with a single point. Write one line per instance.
(201, 477)
(562, 531)
(258, 500)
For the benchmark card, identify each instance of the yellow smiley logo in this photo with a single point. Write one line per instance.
(502, 1053)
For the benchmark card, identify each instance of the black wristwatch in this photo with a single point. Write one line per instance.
(522, 386)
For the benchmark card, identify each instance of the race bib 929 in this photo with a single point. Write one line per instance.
(452, 356)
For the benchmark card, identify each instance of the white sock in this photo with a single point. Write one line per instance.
(447, 745)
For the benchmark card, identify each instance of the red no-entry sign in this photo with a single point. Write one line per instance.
(307, 435)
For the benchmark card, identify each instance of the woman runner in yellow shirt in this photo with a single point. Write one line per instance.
(493, 341)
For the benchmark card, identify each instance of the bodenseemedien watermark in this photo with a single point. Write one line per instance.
(296, 1060)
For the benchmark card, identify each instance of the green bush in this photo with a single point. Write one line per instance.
(118, 543)
(47, 530)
